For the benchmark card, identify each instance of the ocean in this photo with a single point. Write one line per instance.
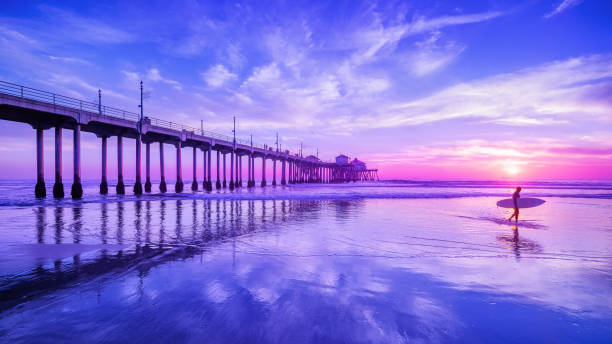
(366, 262)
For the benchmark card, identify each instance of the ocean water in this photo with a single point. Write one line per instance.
(386, 262)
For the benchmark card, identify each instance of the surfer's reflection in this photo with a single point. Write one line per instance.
(518, 245)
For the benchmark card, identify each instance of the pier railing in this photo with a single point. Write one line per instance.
(83, 105)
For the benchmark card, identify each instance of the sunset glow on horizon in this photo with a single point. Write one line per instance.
(418, 91)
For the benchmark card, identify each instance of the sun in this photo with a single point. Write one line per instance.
(512, 170)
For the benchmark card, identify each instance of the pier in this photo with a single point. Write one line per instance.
(45, 111)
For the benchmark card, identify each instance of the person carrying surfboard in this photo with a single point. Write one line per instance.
(515, 198)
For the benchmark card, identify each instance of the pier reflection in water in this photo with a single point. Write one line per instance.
(138, 237)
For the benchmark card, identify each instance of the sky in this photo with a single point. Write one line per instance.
(418, 89)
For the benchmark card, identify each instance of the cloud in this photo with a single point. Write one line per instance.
(378, 37)
(7, 33)
(71, 81)
(556, 92)
(69, 60)
(152, 75)
(264, 75)
(430, 55)
(562, 7)
(84, 29)
(218, 76)
(603, 151)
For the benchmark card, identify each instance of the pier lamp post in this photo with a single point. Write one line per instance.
(231, 184)
(138, 184)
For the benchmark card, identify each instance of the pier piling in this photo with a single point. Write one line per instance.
(77, 187)
(104, 181)
(120, 188)
(58, 186)
(40, 190)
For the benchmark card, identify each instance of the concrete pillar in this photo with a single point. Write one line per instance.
(273, 171)
(204, 179)
(162, 184)
(147, 186)
(178, 187)
(263, 171)
(224, 174)
(249, 171)
(289, 171)
(58, 186)
(77, 188)
(40, 190)
(283, 180)
(231, 183)
(239, 170)
(209, 183)
(218, 185)
(253, 170)
(194, 183)
(138, 183)
(104, 181)
(120, 188)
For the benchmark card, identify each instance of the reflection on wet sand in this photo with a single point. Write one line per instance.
(230, 222)
(518, 245)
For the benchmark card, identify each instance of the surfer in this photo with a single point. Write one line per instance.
(515, 198)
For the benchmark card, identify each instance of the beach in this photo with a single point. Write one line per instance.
(388, 262)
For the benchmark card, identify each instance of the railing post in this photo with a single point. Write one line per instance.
(21, 92)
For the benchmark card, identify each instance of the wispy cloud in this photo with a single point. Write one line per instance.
(69, 60)
(218, 76)
(562, 7)
(72, 81)
(152, 75)
(554, 92)
(84, 29)
(379, 37)
(431, 55)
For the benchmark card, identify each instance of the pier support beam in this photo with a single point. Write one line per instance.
(40, 190)
(249, 171)
(240, 170)
(274, 172)
(253, 170)
(162, 184)
(58, 186)
(209, 183)
(194, 184)
(104, 181)
(178, 187)
(224, 174)
(231, 183)
(283, 180)
(263, 171)
(138, 183)
(120, 188)
(77, 187)
(218, 184)
(147, 185)
(204, 169)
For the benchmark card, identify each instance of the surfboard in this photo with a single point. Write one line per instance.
(522, 202)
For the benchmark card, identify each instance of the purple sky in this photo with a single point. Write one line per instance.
(485, 89)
